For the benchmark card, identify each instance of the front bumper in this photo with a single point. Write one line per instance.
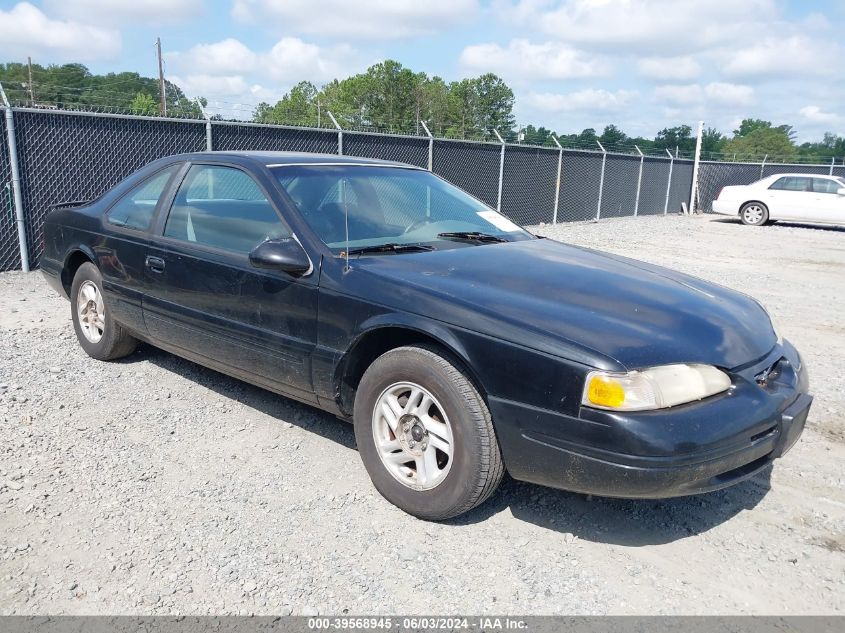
(685, 450)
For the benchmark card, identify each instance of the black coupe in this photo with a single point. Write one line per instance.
(459, 344)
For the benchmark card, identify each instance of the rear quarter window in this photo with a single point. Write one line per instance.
(136, 208)
(792, 183)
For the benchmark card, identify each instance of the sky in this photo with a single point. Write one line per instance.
(640, 64)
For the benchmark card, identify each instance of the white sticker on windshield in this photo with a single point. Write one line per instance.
(499, 221)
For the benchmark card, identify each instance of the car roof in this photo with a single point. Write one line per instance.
(295, 158)
(802, 175)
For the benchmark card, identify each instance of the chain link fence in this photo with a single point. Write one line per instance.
(712, 176)
(73, 155)
(472, 166)
(404, 149)
(246, 136)
(531, 177)
(64, 157)
(10, 257)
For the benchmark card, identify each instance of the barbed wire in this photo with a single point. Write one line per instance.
(229, 111)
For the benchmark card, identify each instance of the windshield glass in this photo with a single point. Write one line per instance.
(389, 205)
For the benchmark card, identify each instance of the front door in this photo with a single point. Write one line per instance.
(828, 205)
(788, 198)
(208, 301)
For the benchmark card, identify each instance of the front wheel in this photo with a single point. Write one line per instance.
(754, 214)
(425, 434)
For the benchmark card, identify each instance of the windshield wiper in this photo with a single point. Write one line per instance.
(472, 236)
(391, 247)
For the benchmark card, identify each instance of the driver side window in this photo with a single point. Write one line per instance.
(223, 207)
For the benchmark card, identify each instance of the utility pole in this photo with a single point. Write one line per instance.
(162, 104)
(29, 83)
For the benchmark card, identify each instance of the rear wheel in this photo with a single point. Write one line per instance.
(425, 434)
(98, 334)
(754, 214)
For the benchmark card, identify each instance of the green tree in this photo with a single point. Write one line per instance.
(712, 141)
(297, 107)
(493, 104)
(143, 104)
(74, 86)
(613, 137)
(679, 137)
(761, 141)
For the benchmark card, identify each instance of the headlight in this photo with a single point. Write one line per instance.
(654, 388)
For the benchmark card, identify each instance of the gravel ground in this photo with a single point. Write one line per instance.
(153, 486)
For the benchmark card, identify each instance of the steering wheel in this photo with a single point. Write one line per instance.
(418, 224)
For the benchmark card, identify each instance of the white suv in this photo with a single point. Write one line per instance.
(797, 197)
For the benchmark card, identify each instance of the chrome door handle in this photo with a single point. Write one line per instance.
(155, 264)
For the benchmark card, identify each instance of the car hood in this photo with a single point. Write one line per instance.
(569, 300)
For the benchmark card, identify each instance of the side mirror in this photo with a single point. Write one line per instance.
(841, 191)
(285, 254)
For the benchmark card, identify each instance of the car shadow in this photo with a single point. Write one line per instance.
(833, 228)
(273, 405)
(597, 519)
(628, 522)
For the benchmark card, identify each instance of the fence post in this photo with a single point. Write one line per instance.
(208, 144)
(557, 182)
(16, 181)
(501, 170)
(430, 146)
(639, 181)
(601, 181)
(763, 165)
(832, 162)
(668, 182)
(694, 187)
(339, 133)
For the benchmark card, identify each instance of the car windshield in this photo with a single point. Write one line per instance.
(393, 206)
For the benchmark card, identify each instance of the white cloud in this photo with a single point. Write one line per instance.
(669, 68)
(797, 55)
(291, 59)
(729, 94)
(582, 100)
(213, 86)
(128, 11)
(372, 19)
(714, 92)
(226, 57)
(523, 61)
(679, 94)
(25, 29)
(814, 114)
(227, 95)
(656, 25)
(235, 78)
(288, 61)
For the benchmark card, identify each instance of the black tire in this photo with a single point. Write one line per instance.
(115, 341)
(476, 468)
(754, 214)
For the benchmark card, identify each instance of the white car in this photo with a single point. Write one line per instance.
(796, 197)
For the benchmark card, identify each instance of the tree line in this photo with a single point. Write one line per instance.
(391, 98)
(73, 86)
